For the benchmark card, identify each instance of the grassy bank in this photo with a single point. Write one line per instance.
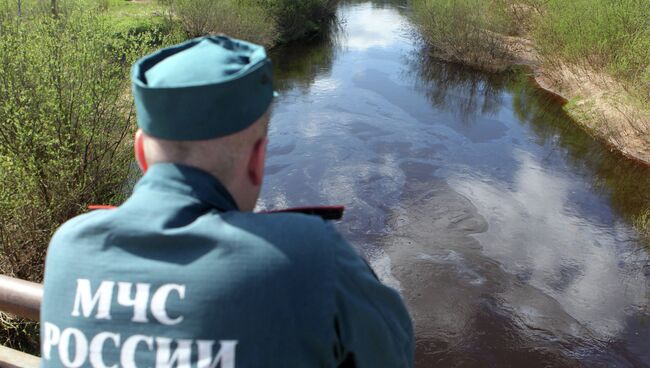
(607, 36)
(467, 31)
(594, 53)
(267, 22)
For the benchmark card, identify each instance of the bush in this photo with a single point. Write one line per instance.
(612, 36)
(65, 120)
(466, 31)
(266, 22)
(301, 19)
(243, 19)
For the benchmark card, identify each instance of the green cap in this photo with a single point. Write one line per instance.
(205, 88)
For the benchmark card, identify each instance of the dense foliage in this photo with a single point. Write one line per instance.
(242, 19)
(65, 122)
(267, 22)
(467, 31)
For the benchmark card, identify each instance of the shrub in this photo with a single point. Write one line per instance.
(300, 19)
(241, 19)
(65, 120)
(466, 31)
(265, 22)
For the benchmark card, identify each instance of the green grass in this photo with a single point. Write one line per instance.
(135, 17)
(613, 36)
(610, 36)
(128, 18)
(124, 17)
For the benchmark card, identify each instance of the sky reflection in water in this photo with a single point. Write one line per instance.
(501, 191)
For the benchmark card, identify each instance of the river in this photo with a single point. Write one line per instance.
(506, 228)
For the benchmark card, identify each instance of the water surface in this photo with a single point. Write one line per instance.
(506, 228)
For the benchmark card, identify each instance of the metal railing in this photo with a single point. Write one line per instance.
(23, 299)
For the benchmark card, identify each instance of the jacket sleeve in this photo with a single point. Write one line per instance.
(373, 326)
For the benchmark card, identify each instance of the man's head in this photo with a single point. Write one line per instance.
(205, 104)
(236, 160)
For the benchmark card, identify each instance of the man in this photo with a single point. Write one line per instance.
(183, 274)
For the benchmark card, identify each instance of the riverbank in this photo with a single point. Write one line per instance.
(269, 23)
(606, 86)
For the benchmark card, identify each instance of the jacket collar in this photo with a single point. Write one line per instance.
(190, 181)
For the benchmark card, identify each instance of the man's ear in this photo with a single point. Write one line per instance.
(138, 144)
(257, 161)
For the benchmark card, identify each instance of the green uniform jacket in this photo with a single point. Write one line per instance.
(178, 277)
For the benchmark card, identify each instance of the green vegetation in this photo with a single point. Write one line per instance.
(613, 36)
(606, 35)
(123, 17)
(128, 17)
(66, 120)
(267, 22)
(466, 31)
(241, 19)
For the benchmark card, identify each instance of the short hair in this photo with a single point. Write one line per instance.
(219, 154)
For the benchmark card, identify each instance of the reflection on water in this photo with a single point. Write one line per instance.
(370, 31)
(452, 88)
(581, 262)
(623, 181)
(296, 67)
(505, 227)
